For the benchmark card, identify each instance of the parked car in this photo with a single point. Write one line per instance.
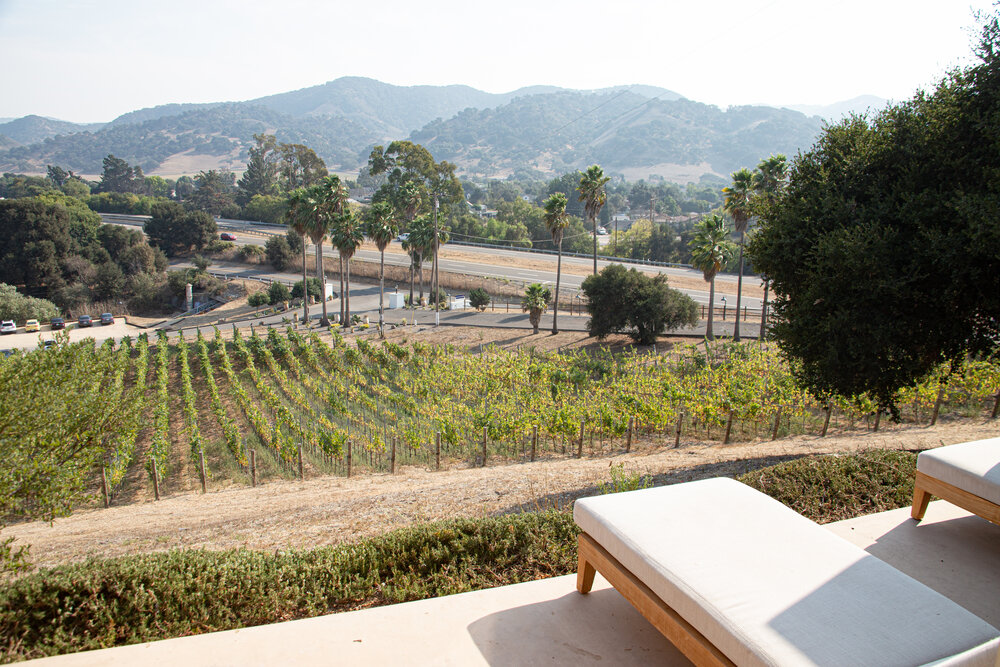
(403, 237)
(57, 323)
(7, 327)
(226, 236)
(6, 353)
(32, 325)
(107, 318)
(84, 321)
(49, 344)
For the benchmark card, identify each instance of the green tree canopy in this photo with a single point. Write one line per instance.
(643, 307)
(884, 251)
(174, 230)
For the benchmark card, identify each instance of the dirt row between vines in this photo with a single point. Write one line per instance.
(284, 515)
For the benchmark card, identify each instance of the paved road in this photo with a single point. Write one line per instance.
(29, 341)
(256, 234)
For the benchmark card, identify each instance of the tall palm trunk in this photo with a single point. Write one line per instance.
(421, 280)
(594, 220)
(305, 292)
(555, 309)
(412, 273)
(381, 292)
(739, 292)
(325, 322)
(711, 306)
(343, 322)
(347, 293)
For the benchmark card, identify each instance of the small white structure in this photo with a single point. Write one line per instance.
(329, 291)
(457, 303)
(397, 300)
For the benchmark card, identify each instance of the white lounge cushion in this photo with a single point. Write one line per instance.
(971, 466)
(767, 586)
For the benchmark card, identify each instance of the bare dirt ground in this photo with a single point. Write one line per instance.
(286, 515)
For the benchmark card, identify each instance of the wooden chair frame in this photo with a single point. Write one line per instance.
(925, 486)
(593, 557)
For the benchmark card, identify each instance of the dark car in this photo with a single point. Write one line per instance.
(107, 318)
(226, 236)
(57, 323)
(84, 321)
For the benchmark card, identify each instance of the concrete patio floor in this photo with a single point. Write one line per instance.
(547, 622)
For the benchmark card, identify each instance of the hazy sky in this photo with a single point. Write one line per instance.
(92, 60)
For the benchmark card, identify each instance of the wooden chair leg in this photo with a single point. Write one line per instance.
(584, 572)
(920, 500)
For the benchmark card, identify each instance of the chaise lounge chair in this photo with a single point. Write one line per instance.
(967, 475)
(732, 577)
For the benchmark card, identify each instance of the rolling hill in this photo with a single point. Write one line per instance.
(541, 130)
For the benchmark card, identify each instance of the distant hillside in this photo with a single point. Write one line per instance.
(219, 135)
(623, 132)
(836, 111)
(153, 113)
(636, 130)
(32, 129)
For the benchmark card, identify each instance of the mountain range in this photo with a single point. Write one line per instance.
(538, 131)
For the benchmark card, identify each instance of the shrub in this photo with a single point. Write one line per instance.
(251, 252)
(277, 293)
(479, 298)
(258, 299)
(315, 289)
(18, 307)
(103, 603)
(279, 254)
(831, 488)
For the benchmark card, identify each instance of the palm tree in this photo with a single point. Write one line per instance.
(739, 204)
(421, 242)
(331, 197)
(413, 251)
(556, 222)
(299, 217)
(382, 229)
(347, 233)
(593, 196)
(408, 203)
(710, 250)
(769, 182)
(535, 301)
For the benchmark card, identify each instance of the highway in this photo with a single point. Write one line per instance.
(500, 263)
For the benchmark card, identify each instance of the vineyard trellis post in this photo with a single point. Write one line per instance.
(680, 424)
(729, 427)
(156, 480)
(996, 406)
(826, 420)
(579, 447)
(253, 467)
(302, 475)
(437, 450)
(201, 469)
(777, 423)
(392, 458)
(534, 441)
(104, 487)
(485, 438)
(349, 462)
(631, 428)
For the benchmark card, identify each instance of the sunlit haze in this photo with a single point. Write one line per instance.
(94, 60)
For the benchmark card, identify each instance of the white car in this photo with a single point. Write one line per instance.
(8, 326)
